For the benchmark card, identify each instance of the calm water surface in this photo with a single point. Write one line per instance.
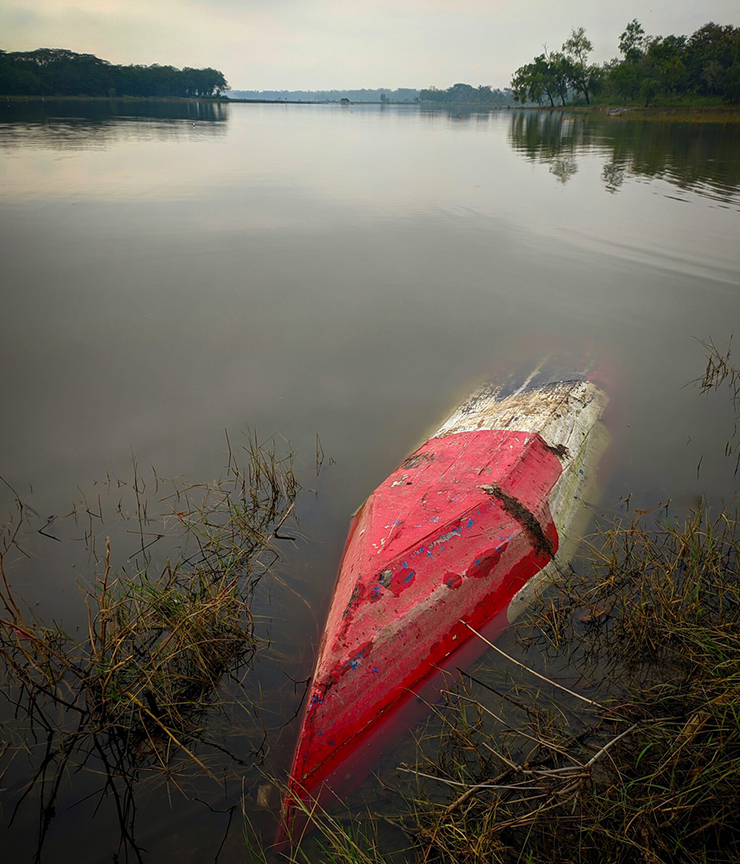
(169, 272)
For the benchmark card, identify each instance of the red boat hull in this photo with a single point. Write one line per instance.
(449, 539)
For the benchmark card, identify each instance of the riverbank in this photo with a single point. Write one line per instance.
(103, 99)
(627, 112)
(223, 100)
(692, 114)
(682, 113)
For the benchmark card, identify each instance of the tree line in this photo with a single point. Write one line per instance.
(483, 94)
(59, 72)
(705, 64)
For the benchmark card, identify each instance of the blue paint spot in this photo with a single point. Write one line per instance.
(375, 670)
(470, 523)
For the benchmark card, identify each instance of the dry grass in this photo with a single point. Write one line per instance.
(650, 771)
(160, 640)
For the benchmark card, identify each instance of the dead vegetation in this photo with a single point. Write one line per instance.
(649, 770)
(133, 694)
(721, 372)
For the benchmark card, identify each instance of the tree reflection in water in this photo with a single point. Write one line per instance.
(72, 124)
(691, 156)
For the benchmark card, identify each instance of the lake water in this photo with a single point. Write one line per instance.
(171, 271)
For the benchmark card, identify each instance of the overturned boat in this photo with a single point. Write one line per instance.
(460, 535)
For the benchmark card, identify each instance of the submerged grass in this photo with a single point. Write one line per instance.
(160, 640)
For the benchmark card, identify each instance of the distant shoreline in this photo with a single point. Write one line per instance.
(51, 98)
(706, 114)
(209, 99)
(223, 100)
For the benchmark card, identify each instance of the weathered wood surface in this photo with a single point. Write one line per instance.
(567, 415)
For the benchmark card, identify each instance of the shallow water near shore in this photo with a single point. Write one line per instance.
(174, 270)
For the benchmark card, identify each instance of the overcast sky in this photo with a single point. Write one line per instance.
(321, 44)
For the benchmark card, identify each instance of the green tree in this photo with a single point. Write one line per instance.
(57, 71)
(673, 75)
(649, 90)
(544, 75)
(560, 73)
(732, 84)
(711, 51)
(632, 41)
(576, 48)
(528, 84)
(624, 80)
(520, 84)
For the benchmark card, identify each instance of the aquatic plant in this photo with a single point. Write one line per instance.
(161, 640)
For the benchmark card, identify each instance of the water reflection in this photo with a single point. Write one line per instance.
(698, 157)
(72, 124)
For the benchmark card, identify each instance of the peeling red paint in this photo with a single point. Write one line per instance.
(483, 565)
(452, 580)
(427, 549)
(401, 581)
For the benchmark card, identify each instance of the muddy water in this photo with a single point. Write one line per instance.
(171, 271)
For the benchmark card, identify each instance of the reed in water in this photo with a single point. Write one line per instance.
(132, 695)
